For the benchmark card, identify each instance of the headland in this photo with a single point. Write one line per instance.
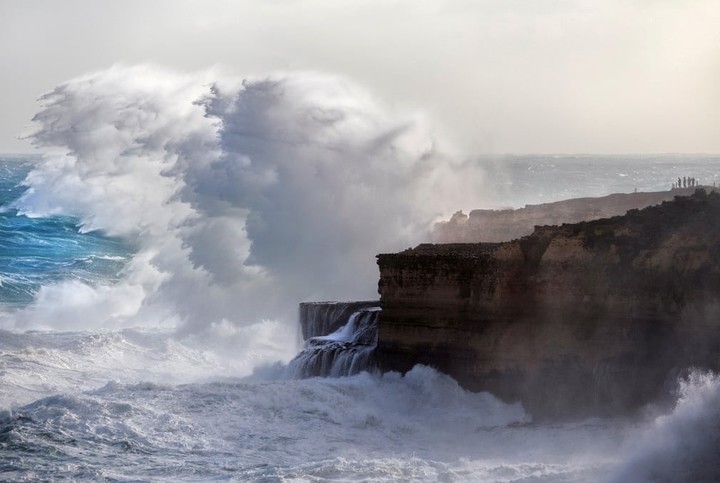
(590, 318)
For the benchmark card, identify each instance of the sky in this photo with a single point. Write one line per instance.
(496, 76)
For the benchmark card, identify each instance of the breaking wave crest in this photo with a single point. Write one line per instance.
(241, 197)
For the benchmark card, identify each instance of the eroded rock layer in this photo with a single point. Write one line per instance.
(591, 318)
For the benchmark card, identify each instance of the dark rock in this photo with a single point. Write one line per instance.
(593, 318)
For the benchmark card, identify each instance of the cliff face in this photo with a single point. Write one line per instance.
(591, 318)
(508, 224)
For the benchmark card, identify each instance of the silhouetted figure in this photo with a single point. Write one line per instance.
(679, 185)
(684, 181)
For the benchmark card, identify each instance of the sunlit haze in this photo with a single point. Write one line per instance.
(497, 76)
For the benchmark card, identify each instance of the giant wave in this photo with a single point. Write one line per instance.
(242, 197)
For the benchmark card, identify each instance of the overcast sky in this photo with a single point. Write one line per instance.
(500, 76)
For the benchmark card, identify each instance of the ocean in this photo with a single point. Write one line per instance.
(151, 266)
(151, 404)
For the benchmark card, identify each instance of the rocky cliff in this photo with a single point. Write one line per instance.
(591, 318)
(508, 224)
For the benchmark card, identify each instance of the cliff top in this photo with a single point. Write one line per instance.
(482, 226)
(449, 249)
(701, 209)
(605, 203)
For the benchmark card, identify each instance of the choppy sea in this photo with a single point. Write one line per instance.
(83, 399)
(152, 260)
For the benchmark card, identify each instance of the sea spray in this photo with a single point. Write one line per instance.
(241, 196)
(241, 430)
(37, 252)
(154, 404)
(160, 160)
(683, 445)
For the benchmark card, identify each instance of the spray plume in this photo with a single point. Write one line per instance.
(242, 198)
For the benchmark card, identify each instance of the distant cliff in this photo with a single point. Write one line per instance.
(589, 318)
(508, 224)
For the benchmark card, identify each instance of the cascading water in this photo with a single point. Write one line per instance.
(323, 318)
(340, 339)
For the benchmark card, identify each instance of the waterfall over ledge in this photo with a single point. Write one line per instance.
(340, 339)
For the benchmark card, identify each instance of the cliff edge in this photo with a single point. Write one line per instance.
(592, 318)
(509, 224)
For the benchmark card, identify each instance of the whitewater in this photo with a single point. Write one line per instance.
(154, 252)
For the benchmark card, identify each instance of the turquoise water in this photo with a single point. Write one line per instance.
(40, 251)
